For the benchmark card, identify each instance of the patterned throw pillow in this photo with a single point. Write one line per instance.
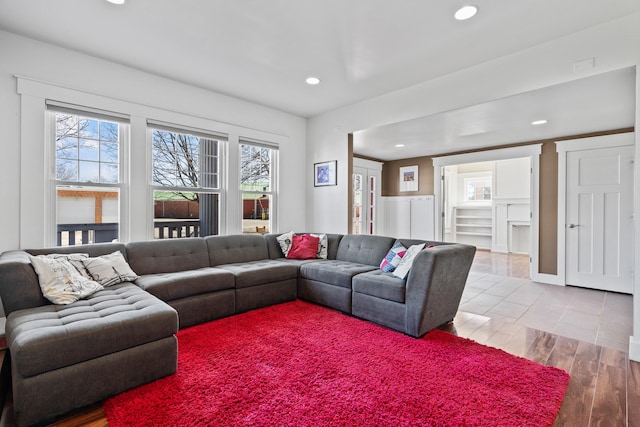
(323, 246)
(75, 260)
(403, 268)
(393, 258)
(285, 242)
(109, 270)
(59, 280)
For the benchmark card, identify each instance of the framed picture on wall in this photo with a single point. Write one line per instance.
(409, 178)
(324, 173)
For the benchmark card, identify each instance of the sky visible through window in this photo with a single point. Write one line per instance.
(87, 149)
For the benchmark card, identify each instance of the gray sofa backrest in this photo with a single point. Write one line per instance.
(94, 250)
(410, 242)
(236, 248)
(167, 256)
(333, 240)
(19, 286)
(364, 249)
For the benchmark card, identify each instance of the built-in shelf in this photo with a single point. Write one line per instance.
(473, 225)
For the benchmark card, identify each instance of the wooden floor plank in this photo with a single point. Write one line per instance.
(610, 400)
(563, 354)
(633, 394)
(522, 341)
(541, 348)
(578, 400)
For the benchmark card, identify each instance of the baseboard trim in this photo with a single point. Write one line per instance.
(634, 349)
(549, 279)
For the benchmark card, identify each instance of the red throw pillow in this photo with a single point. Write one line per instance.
(304, 246)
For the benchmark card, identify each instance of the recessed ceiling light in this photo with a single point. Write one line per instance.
(466, 12)
(538, 122)
(116, 1)
(312, 80)
(399, 145)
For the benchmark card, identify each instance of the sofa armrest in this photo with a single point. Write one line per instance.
(19, 286)
(435, 285)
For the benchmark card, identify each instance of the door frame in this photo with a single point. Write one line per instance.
(562, 147)
(532, 151)
(375, 167)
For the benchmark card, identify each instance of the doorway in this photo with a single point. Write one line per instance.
(596, 181)
(506, 223)
(488, 205)
(367, 175)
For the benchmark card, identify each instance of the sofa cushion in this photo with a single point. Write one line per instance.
(303, 246)
(406, 262)
(364, 249)
(334, 272)
(46, 338)
(60, 281)
(323, 246)
(236, 249)
(182, 284)
(167, 256)
(109, 270)
(393, 257)
(380, 284)
(275, 251)
(285, 240)
(261, 272)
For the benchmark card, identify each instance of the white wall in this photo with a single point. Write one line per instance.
(69, 71)
(614, 45)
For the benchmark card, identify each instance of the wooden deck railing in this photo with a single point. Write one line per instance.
(82, 234)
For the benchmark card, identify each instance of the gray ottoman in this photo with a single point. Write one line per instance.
(64, 357)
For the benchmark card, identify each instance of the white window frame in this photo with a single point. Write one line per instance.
(54, 107)
(35, 213)
(200, 133)
(479, 176)
(273, 174)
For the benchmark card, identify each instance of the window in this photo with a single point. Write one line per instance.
(87, 182)
(477, 189)
(357, 204)
(257, 172)
(186, 182)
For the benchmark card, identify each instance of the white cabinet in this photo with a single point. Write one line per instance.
(511, 226)
(409, 217)
(473, 225)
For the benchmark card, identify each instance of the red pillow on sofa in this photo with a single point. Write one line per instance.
(304, 246)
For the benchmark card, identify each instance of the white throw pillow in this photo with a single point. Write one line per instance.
(285, 241)
(60, 282)
(75, 260)
(403, 268)
(109, 270)
(323, 246)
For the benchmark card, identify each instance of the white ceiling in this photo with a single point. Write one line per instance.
(262, 51)
(592, 104)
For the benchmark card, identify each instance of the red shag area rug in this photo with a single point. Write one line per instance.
(299, 364)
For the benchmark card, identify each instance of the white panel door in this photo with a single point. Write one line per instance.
(599, 218)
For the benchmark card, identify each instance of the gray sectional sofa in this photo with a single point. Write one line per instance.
(68, 356)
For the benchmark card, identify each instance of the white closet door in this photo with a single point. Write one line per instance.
(422, 219)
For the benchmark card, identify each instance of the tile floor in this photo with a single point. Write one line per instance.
(596, 317)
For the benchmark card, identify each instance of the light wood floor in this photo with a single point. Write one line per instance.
(605, 385)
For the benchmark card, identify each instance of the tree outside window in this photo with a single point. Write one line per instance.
(186, 184)
(256, 187)
(87, 178)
